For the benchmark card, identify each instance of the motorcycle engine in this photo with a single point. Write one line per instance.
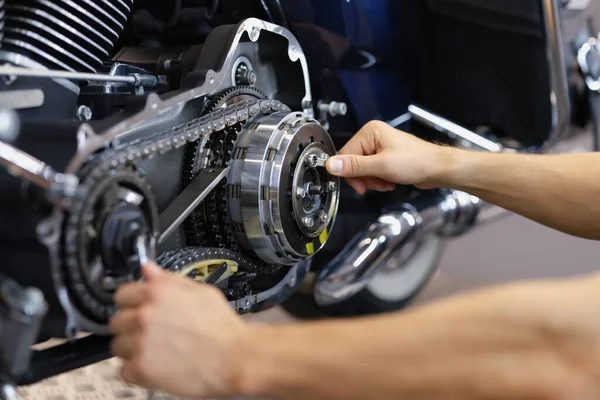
(152, 124)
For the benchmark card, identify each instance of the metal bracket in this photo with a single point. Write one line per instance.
(22, 311)
(137, 80)
(453, 130)
(189, 199)
(588, 58)
(60, 187)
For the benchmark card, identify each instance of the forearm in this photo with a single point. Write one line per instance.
(559, 191)
(455, 350)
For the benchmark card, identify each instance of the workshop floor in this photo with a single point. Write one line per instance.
(491, 254)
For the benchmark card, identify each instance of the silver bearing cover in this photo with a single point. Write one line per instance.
(282, 201)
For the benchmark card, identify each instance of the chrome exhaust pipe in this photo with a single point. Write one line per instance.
(445, 212)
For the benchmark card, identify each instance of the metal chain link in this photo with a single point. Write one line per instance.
(123, 158)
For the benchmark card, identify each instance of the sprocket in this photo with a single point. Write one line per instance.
(208, 225)
(90, 227)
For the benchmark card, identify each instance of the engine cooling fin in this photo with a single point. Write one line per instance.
(70, 35)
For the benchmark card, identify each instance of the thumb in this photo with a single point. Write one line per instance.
(152, 271)
(354, 166)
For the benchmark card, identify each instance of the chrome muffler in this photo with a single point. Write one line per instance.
(445, 212)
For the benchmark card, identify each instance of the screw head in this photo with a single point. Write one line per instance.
(252, 78)
(308, 222)
(323, 217)
(331, 186)
(300, 193)
(84, 113)
(312, 160)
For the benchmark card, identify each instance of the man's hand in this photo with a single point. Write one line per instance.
(378, 157)
(177, 336)
(534, 340)
(560, 191)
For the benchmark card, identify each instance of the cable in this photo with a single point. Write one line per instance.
(275, 12)
(212, 10)
(175, 16)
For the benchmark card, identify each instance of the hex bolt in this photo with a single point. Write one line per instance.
(10, 126)
(246, 76)
(312, 160)
(334, 108)
(300, 193)
(34, 302)
(308, 222)
(307, 104)
(84, 113)
(173, 65)
(108, 283)
(323, 217)
(65, 185)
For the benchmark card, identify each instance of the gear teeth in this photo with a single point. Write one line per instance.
(209, 224)
(76, 264)
(119, 158)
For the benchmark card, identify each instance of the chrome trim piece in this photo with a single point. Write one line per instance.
(444, 212)
(18, 59)
(454, 131)
(9, 392)
(559, 90)
(585, 53)
(399, 120)
(132, 79)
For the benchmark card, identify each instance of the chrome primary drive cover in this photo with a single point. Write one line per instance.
(282, 201)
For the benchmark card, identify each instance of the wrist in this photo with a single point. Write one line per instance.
(456, 168)
(251, 368)
(444, 168)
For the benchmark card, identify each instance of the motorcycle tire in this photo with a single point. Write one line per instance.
(389, 291)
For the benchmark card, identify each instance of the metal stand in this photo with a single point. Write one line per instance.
(8, 392)
(588, 59)
(22, 311)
